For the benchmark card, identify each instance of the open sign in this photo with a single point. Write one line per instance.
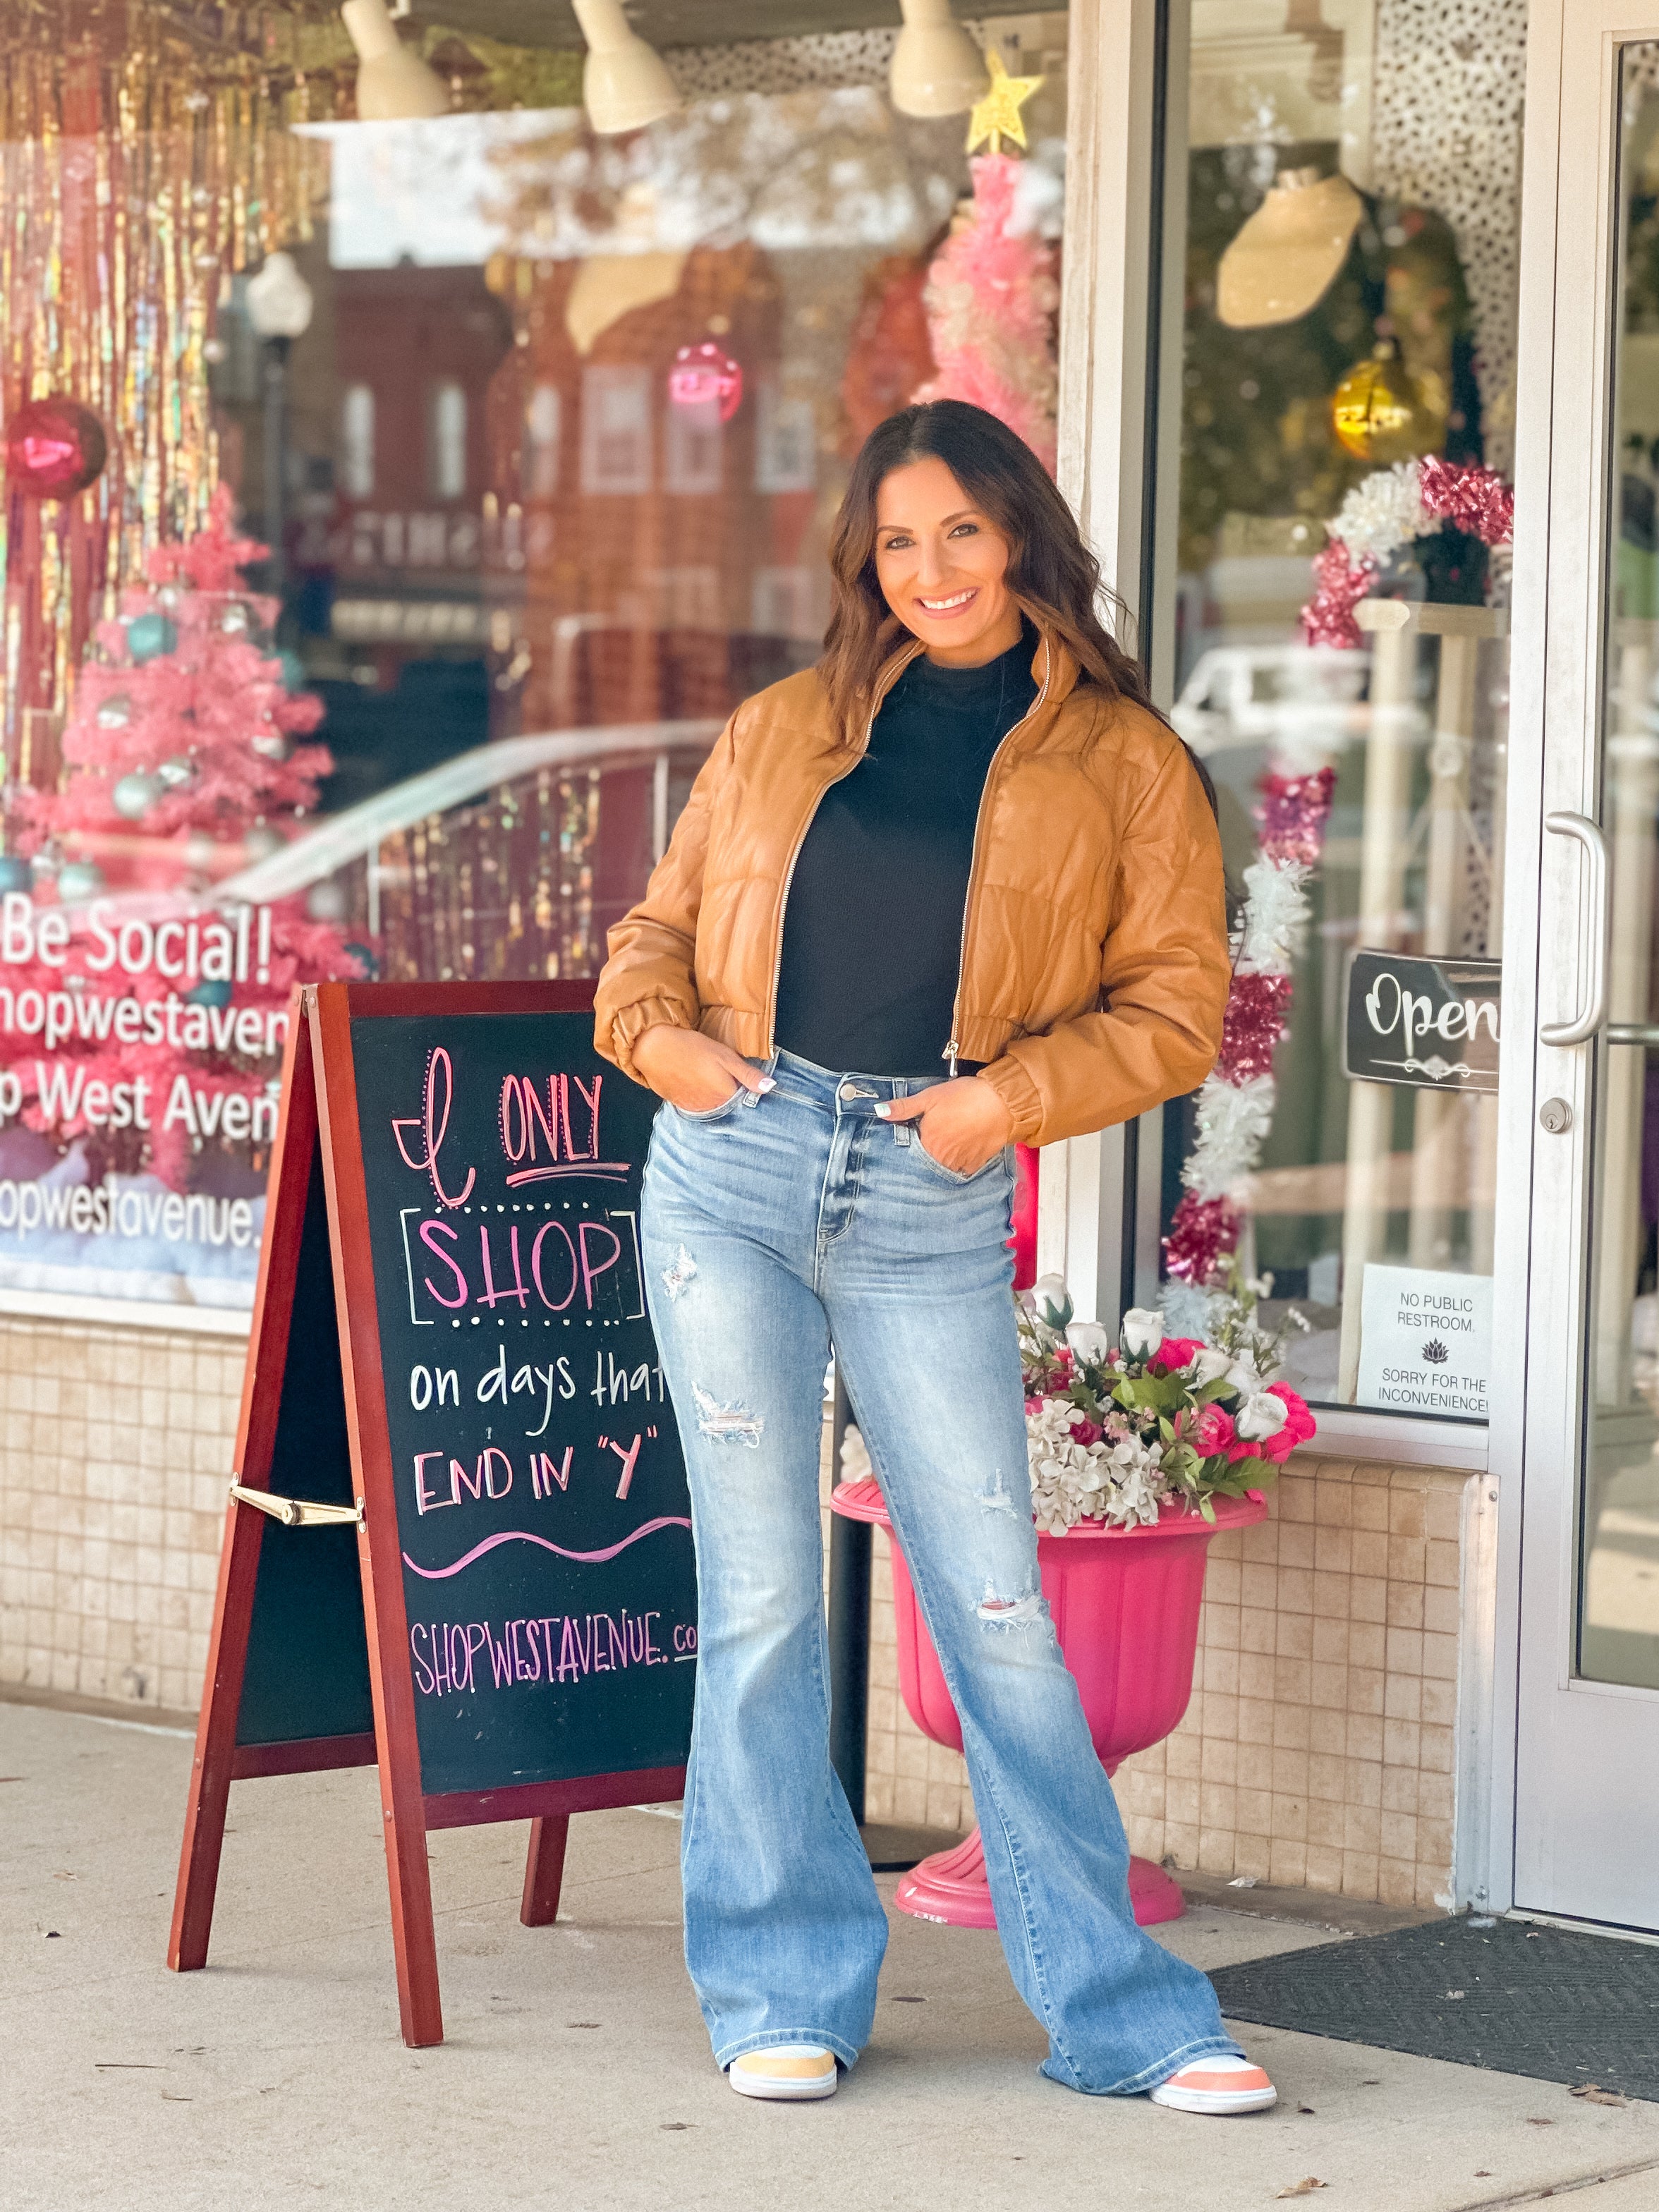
(1433, 1024)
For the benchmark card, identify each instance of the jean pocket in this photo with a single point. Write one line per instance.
(711, 1113)
(950, 1175)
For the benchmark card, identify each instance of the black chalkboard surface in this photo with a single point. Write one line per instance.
(457, 1544)
(543, 1520)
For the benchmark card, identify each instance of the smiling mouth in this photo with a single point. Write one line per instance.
(954, 605)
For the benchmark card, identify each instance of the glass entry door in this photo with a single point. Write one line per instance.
(1587, 1739)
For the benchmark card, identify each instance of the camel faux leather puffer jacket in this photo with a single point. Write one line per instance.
(1094, 950)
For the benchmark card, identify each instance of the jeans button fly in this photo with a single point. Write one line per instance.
(848, 1092)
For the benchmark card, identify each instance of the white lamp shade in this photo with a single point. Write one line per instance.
(937, 68)
(393, 84)
(624, 84)
(279, 299)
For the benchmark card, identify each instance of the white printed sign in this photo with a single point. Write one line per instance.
(1426, 1342)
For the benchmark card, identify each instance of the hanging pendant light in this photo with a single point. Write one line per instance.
(936, 70)
(624, 84)
(394, 85)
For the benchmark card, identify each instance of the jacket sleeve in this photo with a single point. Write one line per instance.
(1164, 972)
(651, 975)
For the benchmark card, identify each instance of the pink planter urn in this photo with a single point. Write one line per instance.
(1125, 1603)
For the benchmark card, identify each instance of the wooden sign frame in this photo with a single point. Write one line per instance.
(318, 1115)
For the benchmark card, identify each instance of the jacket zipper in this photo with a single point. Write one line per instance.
(952, 1050)
(789, 874)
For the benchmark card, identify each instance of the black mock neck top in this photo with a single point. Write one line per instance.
(872, 930)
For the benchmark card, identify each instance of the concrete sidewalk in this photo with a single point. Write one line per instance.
(576, 2073)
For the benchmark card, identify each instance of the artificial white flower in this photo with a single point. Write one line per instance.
(1211, 1364)
(1089, 1340)
(1049, 1300)
(1260, 1416)
(1143, 1331)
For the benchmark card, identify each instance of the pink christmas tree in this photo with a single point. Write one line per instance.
(185, 729)
(991, 299)
(182, 723)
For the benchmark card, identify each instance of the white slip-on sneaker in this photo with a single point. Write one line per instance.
(1217, 2085)
(785, 2072)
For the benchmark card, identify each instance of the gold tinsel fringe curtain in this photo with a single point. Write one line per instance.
(146, 155)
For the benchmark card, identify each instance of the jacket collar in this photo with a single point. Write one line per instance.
(1053, 669)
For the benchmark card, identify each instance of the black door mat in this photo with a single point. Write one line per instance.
(1541, 2001)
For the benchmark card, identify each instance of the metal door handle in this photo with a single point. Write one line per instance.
(1594, 1013)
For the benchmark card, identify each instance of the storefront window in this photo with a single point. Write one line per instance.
(543, 431)
(1619, 1526)
(1329, 629)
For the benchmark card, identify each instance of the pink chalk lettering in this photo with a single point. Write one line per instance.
(437, 1095)
(429, 1231)
(629, 1458)
(557, 1650)
(523, 1536)
(489, 1296)
(545, 1471)
(549, 1229)
(428, 1501)
(590, 1273)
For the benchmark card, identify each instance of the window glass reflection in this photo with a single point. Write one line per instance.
(1330, 623)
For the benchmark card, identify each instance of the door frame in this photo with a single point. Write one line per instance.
(1543, 1716)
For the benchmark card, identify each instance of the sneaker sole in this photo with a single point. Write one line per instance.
(772, 2089)
(1217, 2102)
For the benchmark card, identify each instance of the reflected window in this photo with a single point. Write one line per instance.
(541, 443)
(693, 446)
(357, 441)
(448, 470)
(617, 430)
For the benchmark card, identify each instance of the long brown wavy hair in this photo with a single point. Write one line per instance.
(1052, 574)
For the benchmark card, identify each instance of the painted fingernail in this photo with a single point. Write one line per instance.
(768, 1083)
(883, 1112)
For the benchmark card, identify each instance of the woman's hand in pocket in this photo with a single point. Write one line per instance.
(964, 1124)
(691, 1071)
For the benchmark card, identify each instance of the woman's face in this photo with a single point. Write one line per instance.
(942, 566)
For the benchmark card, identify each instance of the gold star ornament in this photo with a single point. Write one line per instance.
(997, 116)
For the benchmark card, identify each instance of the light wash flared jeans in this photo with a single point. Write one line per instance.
(771, 1226)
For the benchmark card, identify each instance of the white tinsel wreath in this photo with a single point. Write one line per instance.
(1384, 513)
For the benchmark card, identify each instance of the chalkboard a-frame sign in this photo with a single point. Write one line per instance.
(457, 1544)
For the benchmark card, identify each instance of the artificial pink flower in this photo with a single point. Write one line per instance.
(1213, 1431)
(1299, 1423)
(1175, 1353)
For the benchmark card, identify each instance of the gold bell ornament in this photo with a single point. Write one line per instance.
(1374, 412)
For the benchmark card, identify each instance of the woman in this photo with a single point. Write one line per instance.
(962, 839)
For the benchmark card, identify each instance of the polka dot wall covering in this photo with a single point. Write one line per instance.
(1446, 133)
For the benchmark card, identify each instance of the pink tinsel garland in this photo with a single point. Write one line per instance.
(1293, 812)
(1338, 586)
(1201, 1230)
(1475, 500)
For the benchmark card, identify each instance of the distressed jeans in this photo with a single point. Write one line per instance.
(771, 1226)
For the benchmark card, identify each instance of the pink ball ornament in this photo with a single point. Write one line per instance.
(702, 373)
(55, 447)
